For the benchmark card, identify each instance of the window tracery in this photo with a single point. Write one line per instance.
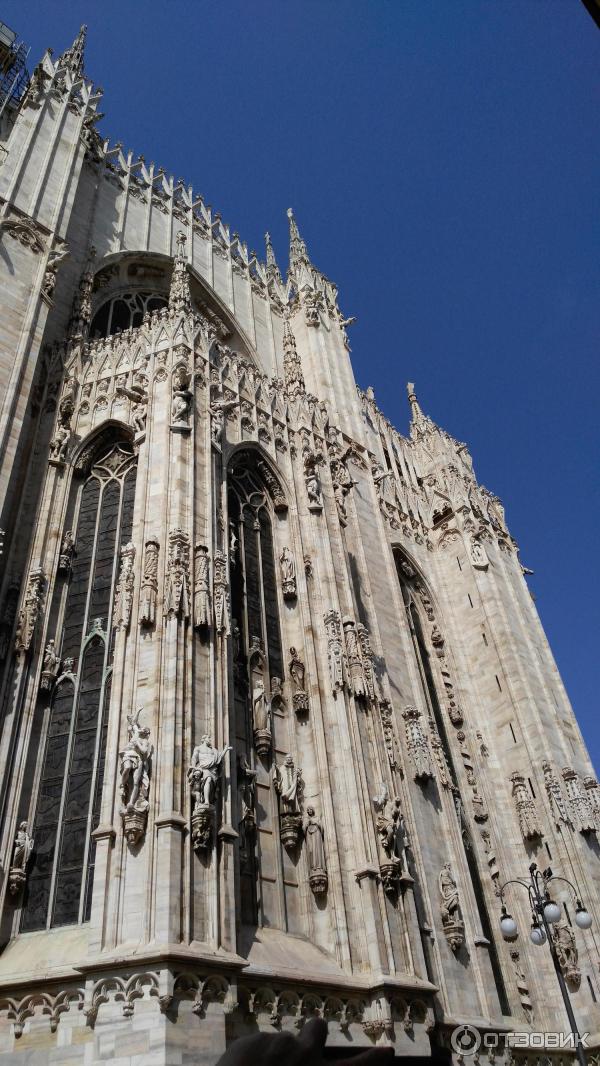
(72, 756)
(125, 310)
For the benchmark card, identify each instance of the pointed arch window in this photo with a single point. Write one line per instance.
(430, 694)
(267, 875)
(71, 765)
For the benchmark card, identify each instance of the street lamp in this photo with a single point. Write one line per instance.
(544, 913)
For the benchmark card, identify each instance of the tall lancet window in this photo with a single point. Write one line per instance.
(424, 657)
(73, 728)
(263, 732)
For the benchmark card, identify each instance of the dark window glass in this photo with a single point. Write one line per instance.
(69, 798)
(270, 597)
(252, 576)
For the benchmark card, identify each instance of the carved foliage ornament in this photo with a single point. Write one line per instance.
(149, 584)
(201, 587)
(28, 615)
(124, 593)
(417, 744)
(335, 654)
(177, 576)
(525, 807)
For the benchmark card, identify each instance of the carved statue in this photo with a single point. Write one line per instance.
(315, 852)
(353, 658)
(218, 411)
(313, 481)
(67, 549)
(135, 758)
(566, 951)
(342, 482)
(450, 908)
(286, 779)
(204, 771)
(288, 574)
(182, 397)
(23, 847)
(60, 442)
(261, 711)
(449, 893)
(138, 394)
(50, 667)
(391, 830)
(247, 783)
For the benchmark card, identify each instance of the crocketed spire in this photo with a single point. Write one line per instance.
(272, 268)
(298, 251)
(72, 59)
(292, 366)
(180, 298)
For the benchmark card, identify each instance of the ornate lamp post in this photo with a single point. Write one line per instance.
(544, 913)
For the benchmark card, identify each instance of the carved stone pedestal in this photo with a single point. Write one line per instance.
(291, 830)
(318, 881)
(203, 820)
(16, 880)
(47, 679)
(134, 824)
(300, 702)
(262, 741)
(454, 932)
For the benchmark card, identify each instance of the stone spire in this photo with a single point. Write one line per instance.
(272, 268)
(72, 59)
(292, 367)
(419, 422)
(180, 298)
(298, 251)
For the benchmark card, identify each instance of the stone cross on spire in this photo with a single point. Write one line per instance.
(298, 251)
(180, 298)
(72, 59)
(272, 268)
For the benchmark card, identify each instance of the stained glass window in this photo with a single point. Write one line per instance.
(60, 881)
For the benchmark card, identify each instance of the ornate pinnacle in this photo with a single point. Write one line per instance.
(298, 252)
(180, 298)
(292, 367)
(420, 423)
(72, 59)
(272, 268)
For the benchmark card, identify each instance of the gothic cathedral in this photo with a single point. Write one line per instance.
(278, 718)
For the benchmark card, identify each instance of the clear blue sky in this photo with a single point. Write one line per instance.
(442, 158)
